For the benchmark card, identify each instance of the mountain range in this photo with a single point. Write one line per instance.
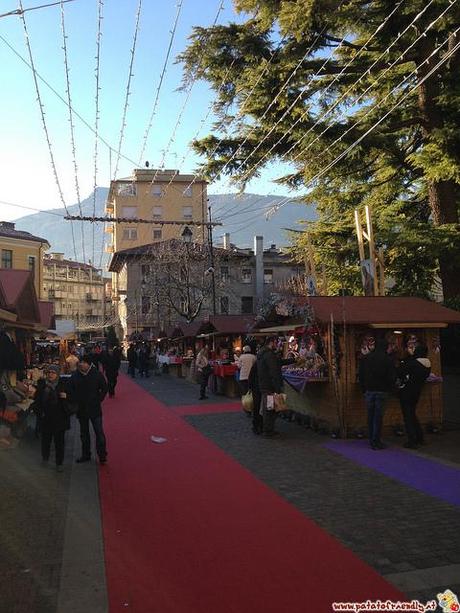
(243, 217)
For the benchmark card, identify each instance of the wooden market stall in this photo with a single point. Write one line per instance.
(223, 334)
(337, 330)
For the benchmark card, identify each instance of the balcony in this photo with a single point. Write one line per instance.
(109, 207)
(109, 249)
(109, 229)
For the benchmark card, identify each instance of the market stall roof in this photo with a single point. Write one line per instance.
(228, 324)
(19, 296)
(381, 311)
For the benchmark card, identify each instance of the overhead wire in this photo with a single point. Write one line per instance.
(128, 87)
(43, 121)
(324, 91)
(324, 114)
(31, 208)
(350, 89)
(448, 54)
(33, 8)
(62, 99)
(162, 76)
(100, 17)
(71, 124)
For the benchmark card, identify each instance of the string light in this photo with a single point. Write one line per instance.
(128, 87)
(71, 123)
(43, 120)
(162, 76)
(100, 16)
(184, 105)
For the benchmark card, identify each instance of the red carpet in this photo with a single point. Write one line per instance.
(189, 530)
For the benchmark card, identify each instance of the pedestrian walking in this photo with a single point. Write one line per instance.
(89, 388)
(413, 373)
(377, 376)
(204, 370)
(270, 382)
(111, 365)
(245, 363)
(143, 360)
(253, 387)
(51, 405)
(131, 354)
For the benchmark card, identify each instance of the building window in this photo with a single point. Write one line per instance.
(157, 212)
(7, 258)
(188, 192)
(126, 189)
(268, 275)
(247, 304)
(145, 305)
(187, 212)
(31, 263)
(224, 305)
(157, 234)
(130, 234)
(246, 275)
(157, 191)
(224, 275)
(129, 212)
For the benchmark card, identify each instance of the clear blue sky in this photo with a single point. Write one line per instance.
(25, 171)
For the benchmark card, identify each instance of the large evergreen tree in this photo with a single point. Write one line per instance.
(407, 168)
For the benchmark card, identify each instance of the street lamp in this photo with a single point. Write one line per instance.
(187, 235)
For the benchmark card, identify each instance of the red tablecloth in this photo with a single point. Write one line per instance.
(225, 370)
(175, 360)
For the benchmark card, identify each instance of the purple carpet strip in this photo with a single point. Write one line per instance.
(428, 476)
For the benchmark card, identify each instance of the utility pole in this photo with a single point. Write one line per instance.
(211, 257)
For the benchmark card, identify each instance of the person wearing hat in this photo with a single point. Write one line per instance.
(52, 407)
(245, 362)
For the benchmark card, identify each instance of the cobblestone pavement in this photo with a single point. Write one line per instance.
(33, 505)
(411, 538)
(173, 391)
(50, 539)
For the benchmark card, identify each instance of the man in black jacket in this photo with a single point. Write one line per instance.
(413, 373)
(377, 377)
(89, 388)
(270, 382)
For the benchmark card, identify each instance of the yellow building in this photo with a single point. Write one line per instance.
(77, 290)
(21, 250)
(156, 195)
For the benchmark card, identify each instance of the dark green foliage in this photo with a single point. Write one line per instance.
(407, 169)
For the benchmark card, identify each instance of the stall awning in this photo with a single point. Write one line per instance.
(382, 311)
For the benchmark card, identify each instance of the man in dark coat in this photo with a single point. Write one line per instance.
(89, 387)
(413, 374)
(51, 405)
(270, 382)
(131, 355)
(111, 365)
(377, 377)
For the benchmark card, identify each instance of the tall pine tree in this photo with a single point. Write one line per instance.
(407, 168)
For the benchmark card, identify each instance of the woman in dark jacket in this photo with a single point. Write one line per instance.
(413, 373)
(52, 408)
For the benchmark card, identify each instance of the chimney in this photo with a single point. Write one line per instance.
(226, 240)
(259, 255)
